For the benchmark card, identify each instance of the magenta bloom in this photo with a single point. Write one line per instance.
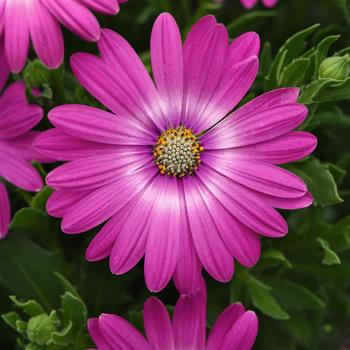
(251, 3)
(40, 20)
(176, 183)
(17, 118)
(235, 329)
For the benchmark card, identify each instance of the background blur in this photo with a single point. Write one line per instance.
(300, 288)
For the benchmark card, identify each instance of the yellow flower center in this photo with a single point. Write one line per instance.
(177, 152)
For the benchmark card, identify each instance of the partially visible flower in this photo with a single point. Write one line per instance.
(336, 67)
(17, 118)
(181, 177)
(40, 20)
(235, 328)
(251, 3)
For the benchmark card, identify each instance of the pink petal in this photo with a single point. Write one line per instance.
(287, 148)
(4, 69)
(76, 17)
(162, 247)
(120, 86)
(108, 7)
(188, 268)
(93, 124)
(61, 201)
(94, 172)
(243, 47)
(243, 333)
(55, 144)
(210, 247)
(101, 246)
(203, 64)
(232, 88)
(16, 116)
(245, 205)
(290, 203)
(97, 336)
(249, 3)
(223, 325)
(167, 65)
(101, 204)
(20, 173)
(158, 326)
(16, 34)
(5, 211)
(189, 328)
(120, 334)
(46, 34)
(130, 244)
(270, 3)
(242, 130)
(259, 176)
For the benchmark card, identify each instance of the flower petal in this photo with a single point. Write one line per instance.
(61, 201)
(188, 268)
(189, 328)
(162, 247)
(20, 173)
(210, 247)
(4, 69)
(93, 124)
(243, 333)
(223, 325)
(124, 86)
(242, 203)
(16, 34)
(120, 334)
(5, 211)
(108, 7)
(287, 148)
(57, 145)
(76, 17)
(94, 172)
(167, 65)
(158, 326)
(46, 34)
(105, 201)
(97, 336)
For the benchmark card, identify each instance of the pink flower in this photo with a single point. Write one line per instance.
(235, 329)
(40, 20)
(17, 118)
(176, 183)
(251, 3)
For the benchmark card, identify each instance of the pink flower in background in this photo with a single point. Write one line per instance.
(17, 118)
(40, 20)
(177, 184)
(251, 3)
(235, 328)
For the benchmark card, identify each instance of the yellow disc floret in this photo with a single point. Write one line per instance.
(177, 152)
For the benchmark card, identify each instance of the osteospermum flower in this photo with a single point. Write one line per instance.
(251, 3)
(17, 118)
(40, 20)
(235, 328)
(177, 183)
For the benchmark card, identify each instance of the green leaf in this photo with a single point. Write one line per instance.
(11, 319)
(67, 285)
(295, 296)
(74, 310)
(30, 307)
(330, 257)
(334, 92)
(26, 270)
(294, 73)
(276, 255)
(323, 48)
(309, 93)
(319, 180)
(40, 199)
(262, 299)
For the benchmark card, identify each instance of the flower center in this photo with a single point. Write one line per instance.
(177, 152)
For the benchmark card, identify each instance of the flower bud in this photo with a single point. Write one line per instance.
(40, 329)
(336, 68)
